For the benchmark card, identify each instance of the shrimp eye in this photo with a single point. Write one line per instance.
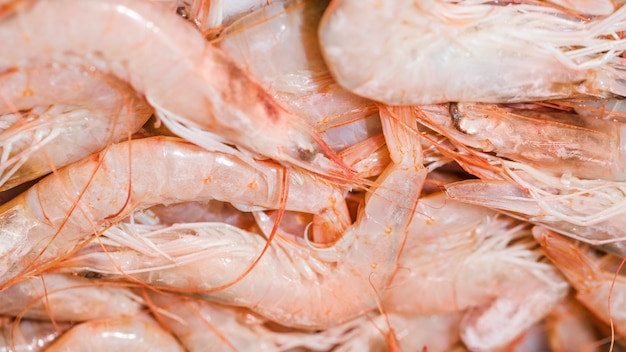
(90, 275)
(456, 115)
(182, 12)
(306, 154)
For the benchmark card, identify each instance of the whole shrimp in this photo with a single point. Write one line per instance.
(193, 86)
(60, 211)
(431, 51)
(45, 110)
(292, 284)
(597, 288)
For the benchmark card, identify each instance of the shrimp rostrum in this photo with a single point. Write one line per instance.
(433, 51)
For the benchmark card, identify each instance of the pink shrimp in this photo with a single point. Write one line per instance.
(46, 109)
(408, 53)
(292, 284)
(53, 216)
(192, 85)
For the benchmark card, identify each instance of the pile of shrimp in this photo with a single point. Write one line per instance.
(312, 175)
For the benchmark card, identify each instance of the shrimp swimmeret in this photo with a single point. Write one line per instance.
(326, 287)
(157, 53)
(438, 51)
(61, 210)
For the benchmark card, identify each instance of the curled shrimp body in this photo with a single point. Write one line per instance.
(45, 110)
(51, 217)
(292, 284)
(432, 51)
(188, 81)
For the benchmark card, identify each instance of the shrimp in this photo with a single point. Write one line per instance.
(29, 335)
(46, 109)
(60, 211)
(463, 258)
(438, 51)
(278, 46)
(158, 53)
(601, 291)
(123, 334)
(291, 284)
(61, 297)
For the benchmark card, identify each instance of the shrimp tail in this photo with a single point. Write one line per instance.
(568, 257)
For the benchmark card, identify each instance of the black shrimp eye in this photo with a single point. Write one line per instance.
(182, 12)
(305, 154)
(91, 275)
(456, 115)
